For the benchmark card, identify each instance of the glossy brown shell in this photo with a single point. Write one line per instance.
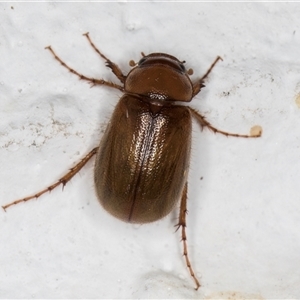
(161, 82)
(142, 162)
(160, 76)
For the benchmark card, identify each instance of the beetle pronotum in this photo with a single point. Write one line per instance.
(143, 159)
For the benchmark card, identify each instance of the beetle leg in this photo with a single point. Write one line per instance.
(115, 69)
(182, 224)
(93, 81)
(199, 84)
(63, 180)
(256, 131)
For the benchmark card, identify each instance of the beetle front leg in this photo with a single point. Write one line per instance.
(64, 180)
(199, 84)
(93, 81)
(182, 224)
(255, 131)
(115, 69)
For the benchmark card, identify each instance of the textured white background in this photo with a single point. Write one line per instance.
(244, 215)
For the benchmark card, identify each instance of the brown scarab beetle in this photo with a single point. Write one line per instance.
(142, 162)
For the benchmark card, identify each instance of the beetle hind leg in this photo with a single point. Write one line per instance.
(63, 180)
(182, 224)
(115, 69)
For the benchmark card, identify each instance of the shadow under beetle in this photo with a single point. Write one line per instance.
(142, 162)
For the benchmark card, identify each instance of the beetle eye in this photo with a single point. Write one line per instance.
(182, 67)
(142, 61)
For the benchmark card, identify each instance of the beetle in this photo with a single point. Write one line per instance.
(142, 162)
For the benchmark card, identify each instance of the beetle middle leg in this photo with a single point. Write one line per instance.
(93, 81)
(202, 122)
(63, 180)
(182, 224)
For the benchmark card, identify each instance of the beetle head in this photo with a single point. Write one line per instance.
(160, 76)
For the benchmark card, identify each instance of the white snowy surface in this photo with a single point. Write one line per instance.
(244, 214)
